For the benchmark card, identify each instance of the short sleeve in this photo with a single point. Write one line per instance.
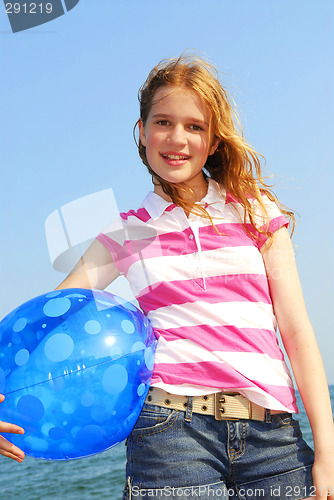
(113, 238)
(274, 220)
(129, 241)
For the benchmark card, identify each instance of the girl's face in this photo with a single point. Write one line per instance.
(178, 138)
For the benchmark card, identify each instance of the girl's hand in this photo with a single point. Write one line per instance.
(8, 449)
(323, 478)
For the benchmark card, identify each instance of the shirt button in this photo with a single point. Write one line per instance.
(191, 236)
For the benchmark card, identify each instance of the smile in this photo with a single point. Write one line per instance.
(175, 157)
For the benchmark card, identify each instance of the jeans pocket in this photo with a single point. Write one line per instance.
(150, 444)
(154, 419)
(284, 420)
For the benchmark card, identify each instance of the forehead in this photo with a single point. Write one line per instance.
(179, 100)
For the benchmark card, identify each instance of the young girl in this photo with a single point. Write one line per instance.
(210, 260)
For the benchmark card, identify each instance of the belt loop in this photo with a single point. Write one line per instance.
(189, 409)
(129, 488)
(267, 416)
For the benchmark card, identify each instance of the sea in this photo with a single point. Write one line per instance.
(99, 477)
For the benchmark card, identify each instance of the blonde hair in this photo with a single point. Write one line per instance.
(235, 165)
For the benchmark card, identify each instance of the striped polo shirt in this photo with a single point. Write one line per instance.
(207, 296)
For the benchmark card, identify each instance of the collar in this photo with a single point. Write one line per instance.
(215, 198)
(155, 205)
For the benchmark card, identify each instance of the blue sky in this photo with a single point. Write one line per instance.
(69, 103)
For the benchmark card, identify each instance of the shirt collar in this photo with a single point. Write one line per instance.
(155, 205)
(215, 198)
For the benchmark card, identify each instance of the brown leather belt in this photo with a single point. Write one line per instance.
(224, 406)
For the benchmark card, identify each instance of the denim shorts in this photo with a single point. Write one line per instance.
(178, 454)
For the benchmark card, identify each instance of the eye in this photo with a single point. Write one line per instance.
(196, 128)
(163, 122)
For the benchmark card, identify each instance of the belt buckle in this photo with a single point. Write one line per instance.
(220, 399)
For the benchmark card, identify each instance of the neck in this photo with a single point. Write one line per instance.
(197, 194)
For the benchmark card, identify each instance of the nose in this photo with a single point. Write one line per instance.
(177, 135)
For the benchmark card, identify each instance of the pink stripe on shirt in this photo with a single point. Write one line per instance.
(227, 338)
(219, 375)
(229, 288)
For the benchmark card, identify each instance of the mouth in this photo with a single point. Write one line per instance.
(175, 157)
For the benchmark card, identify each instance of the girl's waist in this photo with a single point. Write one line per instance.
(221, 405)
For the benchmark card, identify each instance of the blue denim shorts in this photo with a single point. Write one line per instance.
(178, 454)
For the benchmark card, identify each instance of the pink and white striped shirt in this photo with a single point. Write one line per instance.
(207, 297)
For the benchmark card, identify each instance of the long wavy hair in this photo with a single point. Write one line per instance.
(235, 165)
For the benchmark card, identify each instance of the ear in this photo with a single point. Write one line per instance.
(142, 136)
(214, 146)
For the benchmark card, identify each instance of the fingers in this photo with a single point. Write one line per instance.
(12, 428)
(6, 427)
(9, 450)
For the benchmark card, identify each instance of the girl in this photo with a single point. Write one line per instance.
(209, 258)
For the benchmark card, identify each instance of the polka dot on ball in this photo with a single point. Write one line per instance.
(92, 327)
(31, 407)
(141, 389)
(75, 430)
(20, 324)
(127, 326)
(149, 358)
(56, 307)
(59, 347)
(138, 346)
(87, 399)
(21, 357)
(68, 407)
(79, 296)
(115, 379)
(55, 293)
(90, 435)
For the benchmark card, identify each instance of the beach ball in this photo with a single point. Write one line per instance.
(75, 367)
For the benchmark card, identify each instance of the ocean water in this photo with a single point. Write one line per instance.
(101, 476)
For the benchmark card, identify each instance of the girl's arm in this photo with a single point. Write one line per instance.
(94, 270)
(303, 352)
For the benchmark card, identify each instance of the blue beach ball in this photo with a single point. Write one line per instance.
(75, 367)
